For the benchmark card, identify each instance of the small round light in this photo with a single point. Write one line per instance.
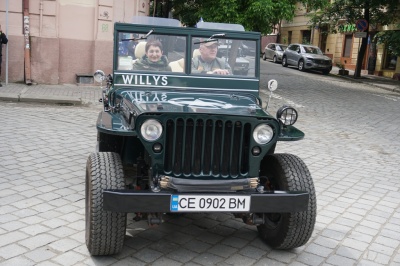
(151, 130)
(256, 151)
(263, 133)
(287, 115)
(157, 147)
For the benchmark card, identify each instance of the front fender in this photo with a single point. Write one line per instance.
(290, 133)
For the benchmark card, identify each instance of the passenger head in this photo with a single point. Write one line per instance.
(154, 50)
(208, 50)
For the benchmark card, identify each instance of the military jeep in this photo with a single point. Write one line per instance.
(183, 141)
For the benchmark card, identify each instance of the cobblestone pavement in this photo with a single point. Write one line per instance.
(352, 149)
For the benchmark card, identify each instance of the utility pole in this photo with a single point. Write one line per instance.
(27, 55)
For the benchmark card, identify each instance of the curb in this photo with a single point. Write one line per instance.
(371, 83)
(61, 100)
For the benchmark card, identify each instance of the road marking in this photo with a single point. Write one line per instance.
(277, 96)
(389, 97)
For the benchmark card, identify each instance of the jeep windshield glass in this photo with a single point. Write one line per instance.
(151, 52)
(157, 52)
(235, 55)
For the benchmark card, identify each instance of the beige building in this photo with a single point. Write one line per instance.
(341, 47)
(51, 41)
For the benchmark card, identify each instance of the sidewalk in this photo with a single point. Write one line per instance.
(67, 94)
(71, 94)
(380, 82)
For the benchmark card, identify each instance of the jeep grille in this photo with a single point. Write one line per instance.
(209, 147)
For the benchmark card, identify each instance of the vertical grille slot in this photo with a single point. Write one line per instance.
(237, 136)
(198, 147)
(169, 145)
(216, 155)
(188, 144)
(227, 147)
(207, 147)
(245, 148)
(178, 146)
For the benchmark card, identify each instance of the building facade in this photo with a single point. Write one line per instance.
(342, 47)
(51, 41)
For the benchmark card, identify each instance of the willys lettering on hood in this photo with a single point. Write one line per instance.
(155, 80)
(150, 101)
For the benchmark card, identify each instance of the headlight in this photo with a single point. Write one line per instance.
(151, 130)
(309, 59)
(263, 133)
(287, 115)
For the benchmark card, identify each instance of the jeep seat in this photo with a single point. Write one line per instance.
(140, 50)
(196, 52)
(178, 65)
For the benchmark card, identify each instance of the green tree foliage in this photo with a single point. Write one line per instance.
(340, 12)
(391, 39)
(255, 15)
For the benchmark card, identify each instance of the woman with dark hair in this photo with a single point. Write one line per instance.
(153, 59)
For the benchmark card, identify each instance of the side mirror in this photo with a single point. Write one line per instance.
(99, 76)
(272, 86)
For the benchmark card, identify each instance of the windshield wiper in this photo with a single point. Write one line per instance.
(140, 38)
(212, 38)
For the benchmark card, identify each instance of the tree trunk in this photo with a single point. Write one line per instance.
(364, 44)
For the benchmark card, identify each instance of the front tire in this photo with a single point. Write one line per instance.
(105, 230)
(284, 62)
(325, 72)
(264, 57)
(301, 65)
(288, 230)
(275, 60)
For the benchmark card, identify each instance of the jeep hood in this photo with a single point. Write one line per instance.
(163, 101)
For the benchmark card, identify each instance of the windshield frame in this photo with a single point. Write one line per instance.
(187, 79)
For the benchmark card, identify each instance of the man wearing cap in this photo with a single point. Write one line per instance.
(208, 62)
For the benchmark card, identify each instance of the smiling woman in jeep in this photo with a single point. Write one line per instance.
(153, 59)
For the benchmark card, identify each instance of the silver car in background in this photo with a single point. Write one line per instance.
(306, 57)
(274, 51)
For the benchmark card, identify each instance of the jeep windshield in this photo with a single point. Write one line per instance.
(160, 56)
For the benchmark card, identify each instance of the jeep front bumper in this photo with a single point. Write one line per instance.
(161, 202)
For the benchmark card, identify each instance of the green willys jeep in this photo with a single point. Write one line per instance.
(184, 141)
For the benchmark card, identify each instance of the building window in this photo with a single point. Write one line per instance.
(390, 60)
(348, 41)
(323, 38)
(306, 36)
(289, 37)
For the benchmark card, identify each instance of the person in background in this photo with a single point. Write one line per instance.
(153, 59)
(208, 63)
(3, 40)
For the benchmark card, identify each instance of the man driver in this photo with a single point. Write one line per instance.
(208, 62)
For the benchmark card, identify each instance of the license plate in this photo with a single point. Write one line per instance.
(206, 203)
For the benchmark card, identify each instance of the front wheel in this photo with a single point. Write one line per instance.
(105, 230)
(264, 57)
(275, 59)
(287, 230)
(284, 62)
(301, 65)
(325, 72)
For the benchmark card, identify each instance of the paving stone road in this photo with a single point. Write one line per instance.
(352, 148)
